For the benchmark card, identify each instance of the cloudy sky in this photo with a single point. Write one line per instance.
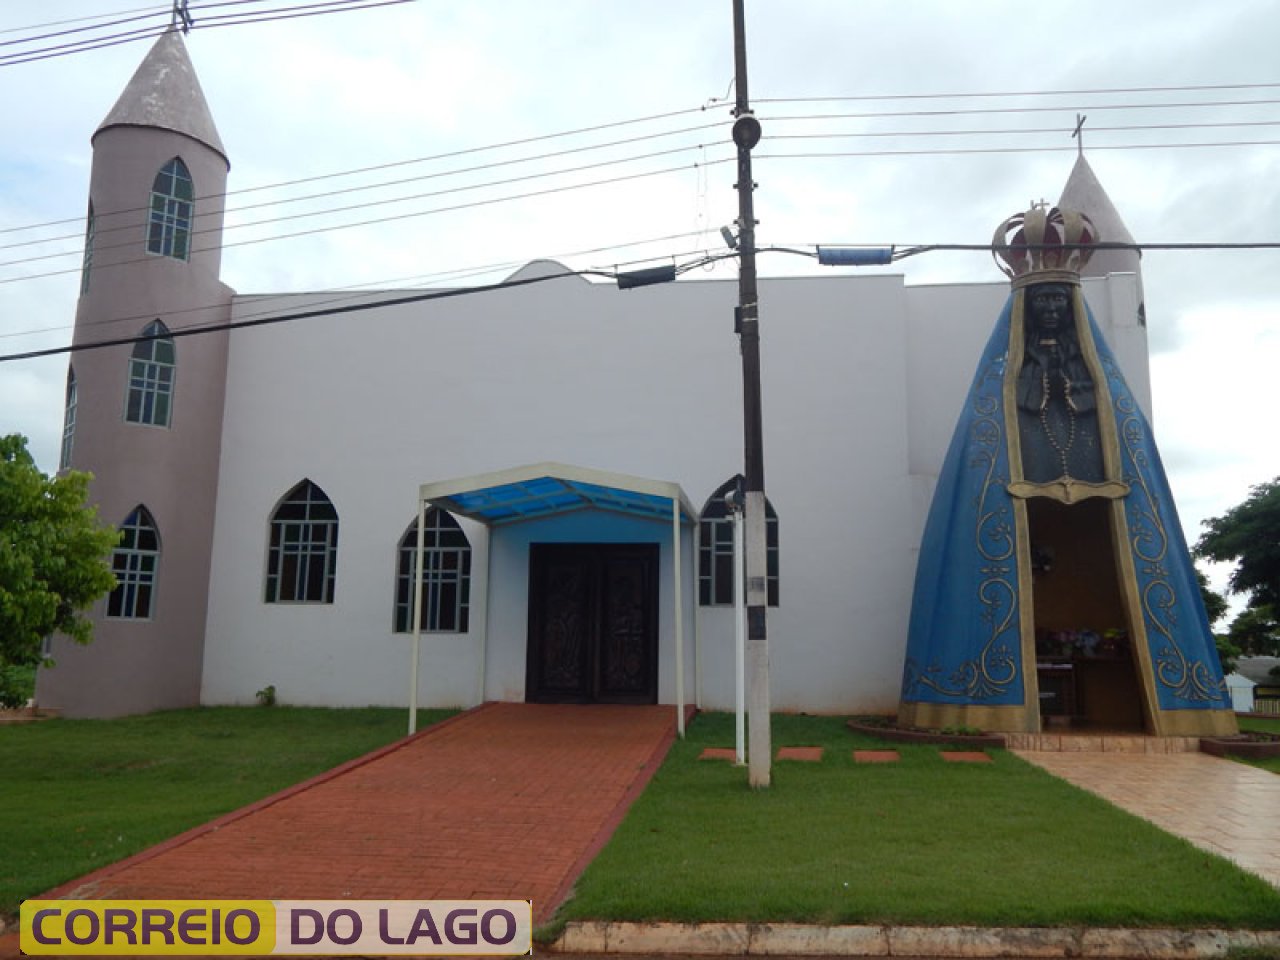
(477, 136)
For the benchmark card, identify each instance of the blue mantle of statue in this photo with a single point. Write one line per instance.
(965, 644)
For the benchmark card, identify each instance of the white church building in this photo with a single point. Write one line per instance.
(569, 443)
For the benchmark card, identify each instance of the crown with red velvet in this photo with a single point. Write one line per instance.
(1044, 246)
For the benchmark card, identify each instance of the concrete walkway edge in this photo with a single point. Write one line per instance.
(808, 940)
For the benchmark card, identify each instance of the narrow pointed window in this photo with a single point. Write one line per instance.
(88, 252)
(68, 420)
(446, 575)
(302, 556)
(135, 563)
(151, 369)
(172, 202)
(715, 552)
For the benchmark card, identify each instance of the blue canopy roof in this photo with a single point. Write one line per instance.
(545, 489)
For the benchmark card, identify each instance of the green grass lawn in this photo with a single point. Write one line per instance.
(1266, 725)
(917, 842)
(78, 794)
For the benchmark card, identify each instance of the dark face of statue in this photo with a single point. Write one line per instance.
(1050, 308)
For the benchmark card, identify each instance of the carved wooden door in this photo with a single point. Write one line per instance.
(593, 623)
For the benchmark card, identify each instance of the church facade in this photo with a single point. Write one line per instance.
(567, 445)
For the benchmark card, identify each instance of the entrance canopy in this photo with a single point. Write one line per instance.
(543, 489)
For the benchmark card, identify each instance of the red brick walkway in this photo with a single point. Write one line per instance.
(505, 801)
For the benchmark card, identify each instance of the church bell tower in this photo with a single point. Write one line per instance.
(144, 415)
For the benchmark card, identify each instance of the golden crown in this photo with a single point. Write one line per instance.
(1044, 246)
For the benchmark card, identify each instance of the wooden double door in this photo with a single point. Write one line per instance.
(593, 623)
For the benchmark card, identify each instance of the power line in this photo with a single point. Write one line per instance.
(59, 23)
(302, 315)
(900, 252)
(974, 111)
(1020, 93)
(101, 231)
(404, 216)
(222, 20)
(467, 151)
(959, 151)
(1011, 131)
(457, 273)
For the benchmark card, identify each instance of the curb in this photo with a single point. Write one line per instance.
(807, 940)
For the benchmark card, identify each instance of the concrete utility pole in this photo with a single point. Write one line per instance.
(746, 134)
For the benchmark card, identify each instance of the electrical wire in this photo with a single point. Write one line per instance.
(403, 216)
(456, 273)
(1020, 93)
(223, 20)
(900, 253)
(467, 151)
(101, 231)
(960, 151)
(300, 315)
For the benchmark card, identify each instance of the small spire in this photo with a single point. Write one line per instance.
(1078, 133)
(165, 92)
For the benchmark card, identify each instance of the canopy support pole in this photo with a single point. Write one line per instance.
(676, 550)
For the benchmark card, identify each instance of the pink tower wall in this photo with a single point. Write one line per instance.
(134, 666)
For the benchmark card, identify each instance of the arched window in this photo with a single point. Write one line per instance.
(446, 575)
(151, 371)
(715, 552)
(88, 252)
(303, 555)
(134, 563)
(68, 420)
(172, 199)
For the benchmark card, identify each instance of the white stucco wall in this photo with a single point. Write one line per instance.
(862, 381)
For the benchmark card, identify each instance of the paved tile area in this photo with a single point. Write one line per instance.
(1225, 807)
(505, 801)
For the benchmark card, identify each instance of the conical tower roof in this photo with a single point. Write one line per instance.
(1083, 193)
(165, 92)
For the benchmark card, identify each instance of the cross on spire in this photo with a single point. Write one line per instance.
(1078, 133)
(181, 14)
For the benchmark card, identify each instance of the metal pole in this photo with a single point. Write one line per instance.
(417, 617)
(746, 134)
(739, 643)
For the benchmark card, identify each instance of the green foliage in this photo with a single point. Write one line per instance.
(54, 559)
(89, 792)
(1228, 652)
(1249, 535)
(1256, 631)
(1215, 604)
(267, 695)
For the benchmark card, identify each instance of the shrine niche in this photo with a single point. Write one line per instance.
(1054, 587)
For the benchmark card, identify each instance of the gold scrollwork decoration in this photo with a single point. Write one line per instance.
(994, 668)
(1186, 679)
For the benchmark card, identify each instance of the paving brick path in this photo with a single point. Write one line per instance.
(505, 801)
(1227, 808)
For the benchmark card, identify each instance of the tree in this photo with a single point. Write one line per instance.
(1215, 605)
(54, 560)
(1256, 632)
(1249, 535)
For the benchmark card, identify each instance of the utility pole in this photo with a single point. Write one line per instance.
(746, 134)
